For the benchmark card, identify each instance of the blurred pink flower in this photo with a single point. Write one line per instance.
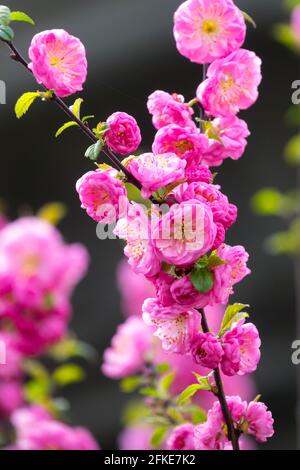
(181, 438)
(295, 23)
(58, 61)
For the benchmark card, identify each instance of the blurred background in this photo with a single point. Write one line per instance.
(131, 52)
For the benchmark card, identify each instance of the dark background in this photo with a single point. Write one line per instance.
(131, 52)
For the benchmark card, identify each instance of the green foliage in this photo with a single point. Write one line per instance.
(292, 150)
(287, 242)
(24, 102)
(71, 348)
(4, 15)
(202, 279)
(268, 201)
(76, 107)
(94, 150)
(232, 314)
(284, 35)
(21, 16)
(68, 374)
(292, 116)
(162, 368)
(190, 391)
(165, 384)
(6, 33)
(130, 384)
(52, 213)
(249, 19)
(64, 127)
(291, 4)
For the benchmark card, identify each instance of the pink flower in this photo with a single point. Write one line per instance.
(184, 293)
(181, 438)
(208, 30)
(185, 233)
(156, 171)
(136, 437)
(169, 109)
(129, 346)
(11, 397)
(295, 23)
(232, 133)
(232, 84)
(241, 349)
(198, 173)
(236, 258)
(102, 195)
(187, 143)
(123, 135)
(58, 61)
(176, 331)
(135, 229)
(36, 430)
(207, 350)
(259, 421)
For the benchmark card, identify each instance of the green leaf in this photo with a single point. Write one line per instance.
(248, 18)
(268, 201)
(71, 348)
(203, 381)
(158, 436)
(68, 374)
(24, 102)
(198, 415)
(21, 16)
(94, 150)
(36, 370)
(130, 384)
(233, 314)
(4, 15)
(290, 4)
(202, 280)
(162, 368)
(166, 383)
(150, 392)
(36, 391)
(292, 150)
(214, 260)
(188, 393)
(283, 33)
(6, 33)
(292, 116)
(76, 107)
(64, 127)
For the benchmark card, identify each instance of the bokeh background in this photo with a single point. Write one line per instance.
(131, 53)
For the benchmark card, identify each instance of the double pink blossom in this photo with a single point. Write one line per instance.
(208, 30)
(231, 84)
(123, 135)
(58, 61)
(169, 109)
(102, 195)
(207, 350)
(182, 438)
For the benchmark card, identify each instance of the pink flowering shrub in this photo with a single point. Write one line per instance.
(58, 61)
(123, 135)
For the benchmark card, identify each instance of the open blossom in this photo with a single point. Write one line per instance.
(37, 430)
(231, 84)
(169, 109)
(295, 23)
(187, 143)
(135, 229)
(123, 135)
(181, 438)
(58, 61)
(185, 233)
(208, 30)
(129, 346)
(207, 350)
(241, 349)
(176, 330)
(232, 133)
(102, 195)
(156, 171)
(198, 173)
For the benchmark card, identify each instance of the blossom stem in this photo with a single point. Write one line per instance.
(17, 56)
(232, 434)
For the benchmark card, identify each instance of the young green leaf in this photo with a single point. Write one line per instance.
(158, 436)
(86, 118)
(233, 314)
(24, 102)
(202, 280)
(4, 15)
(203, 381)
(68, 374)
(65, 126)
(76, 107)
(188, 393)
(166, 383)
(52, 213)
(21, 16)
(249, 18)
(130, 384)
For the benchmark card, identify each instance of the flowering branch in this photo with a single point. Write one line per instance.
(17, 56)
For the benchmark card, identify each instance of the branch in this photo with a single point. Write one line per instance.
(17, 56)
(232, 434)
